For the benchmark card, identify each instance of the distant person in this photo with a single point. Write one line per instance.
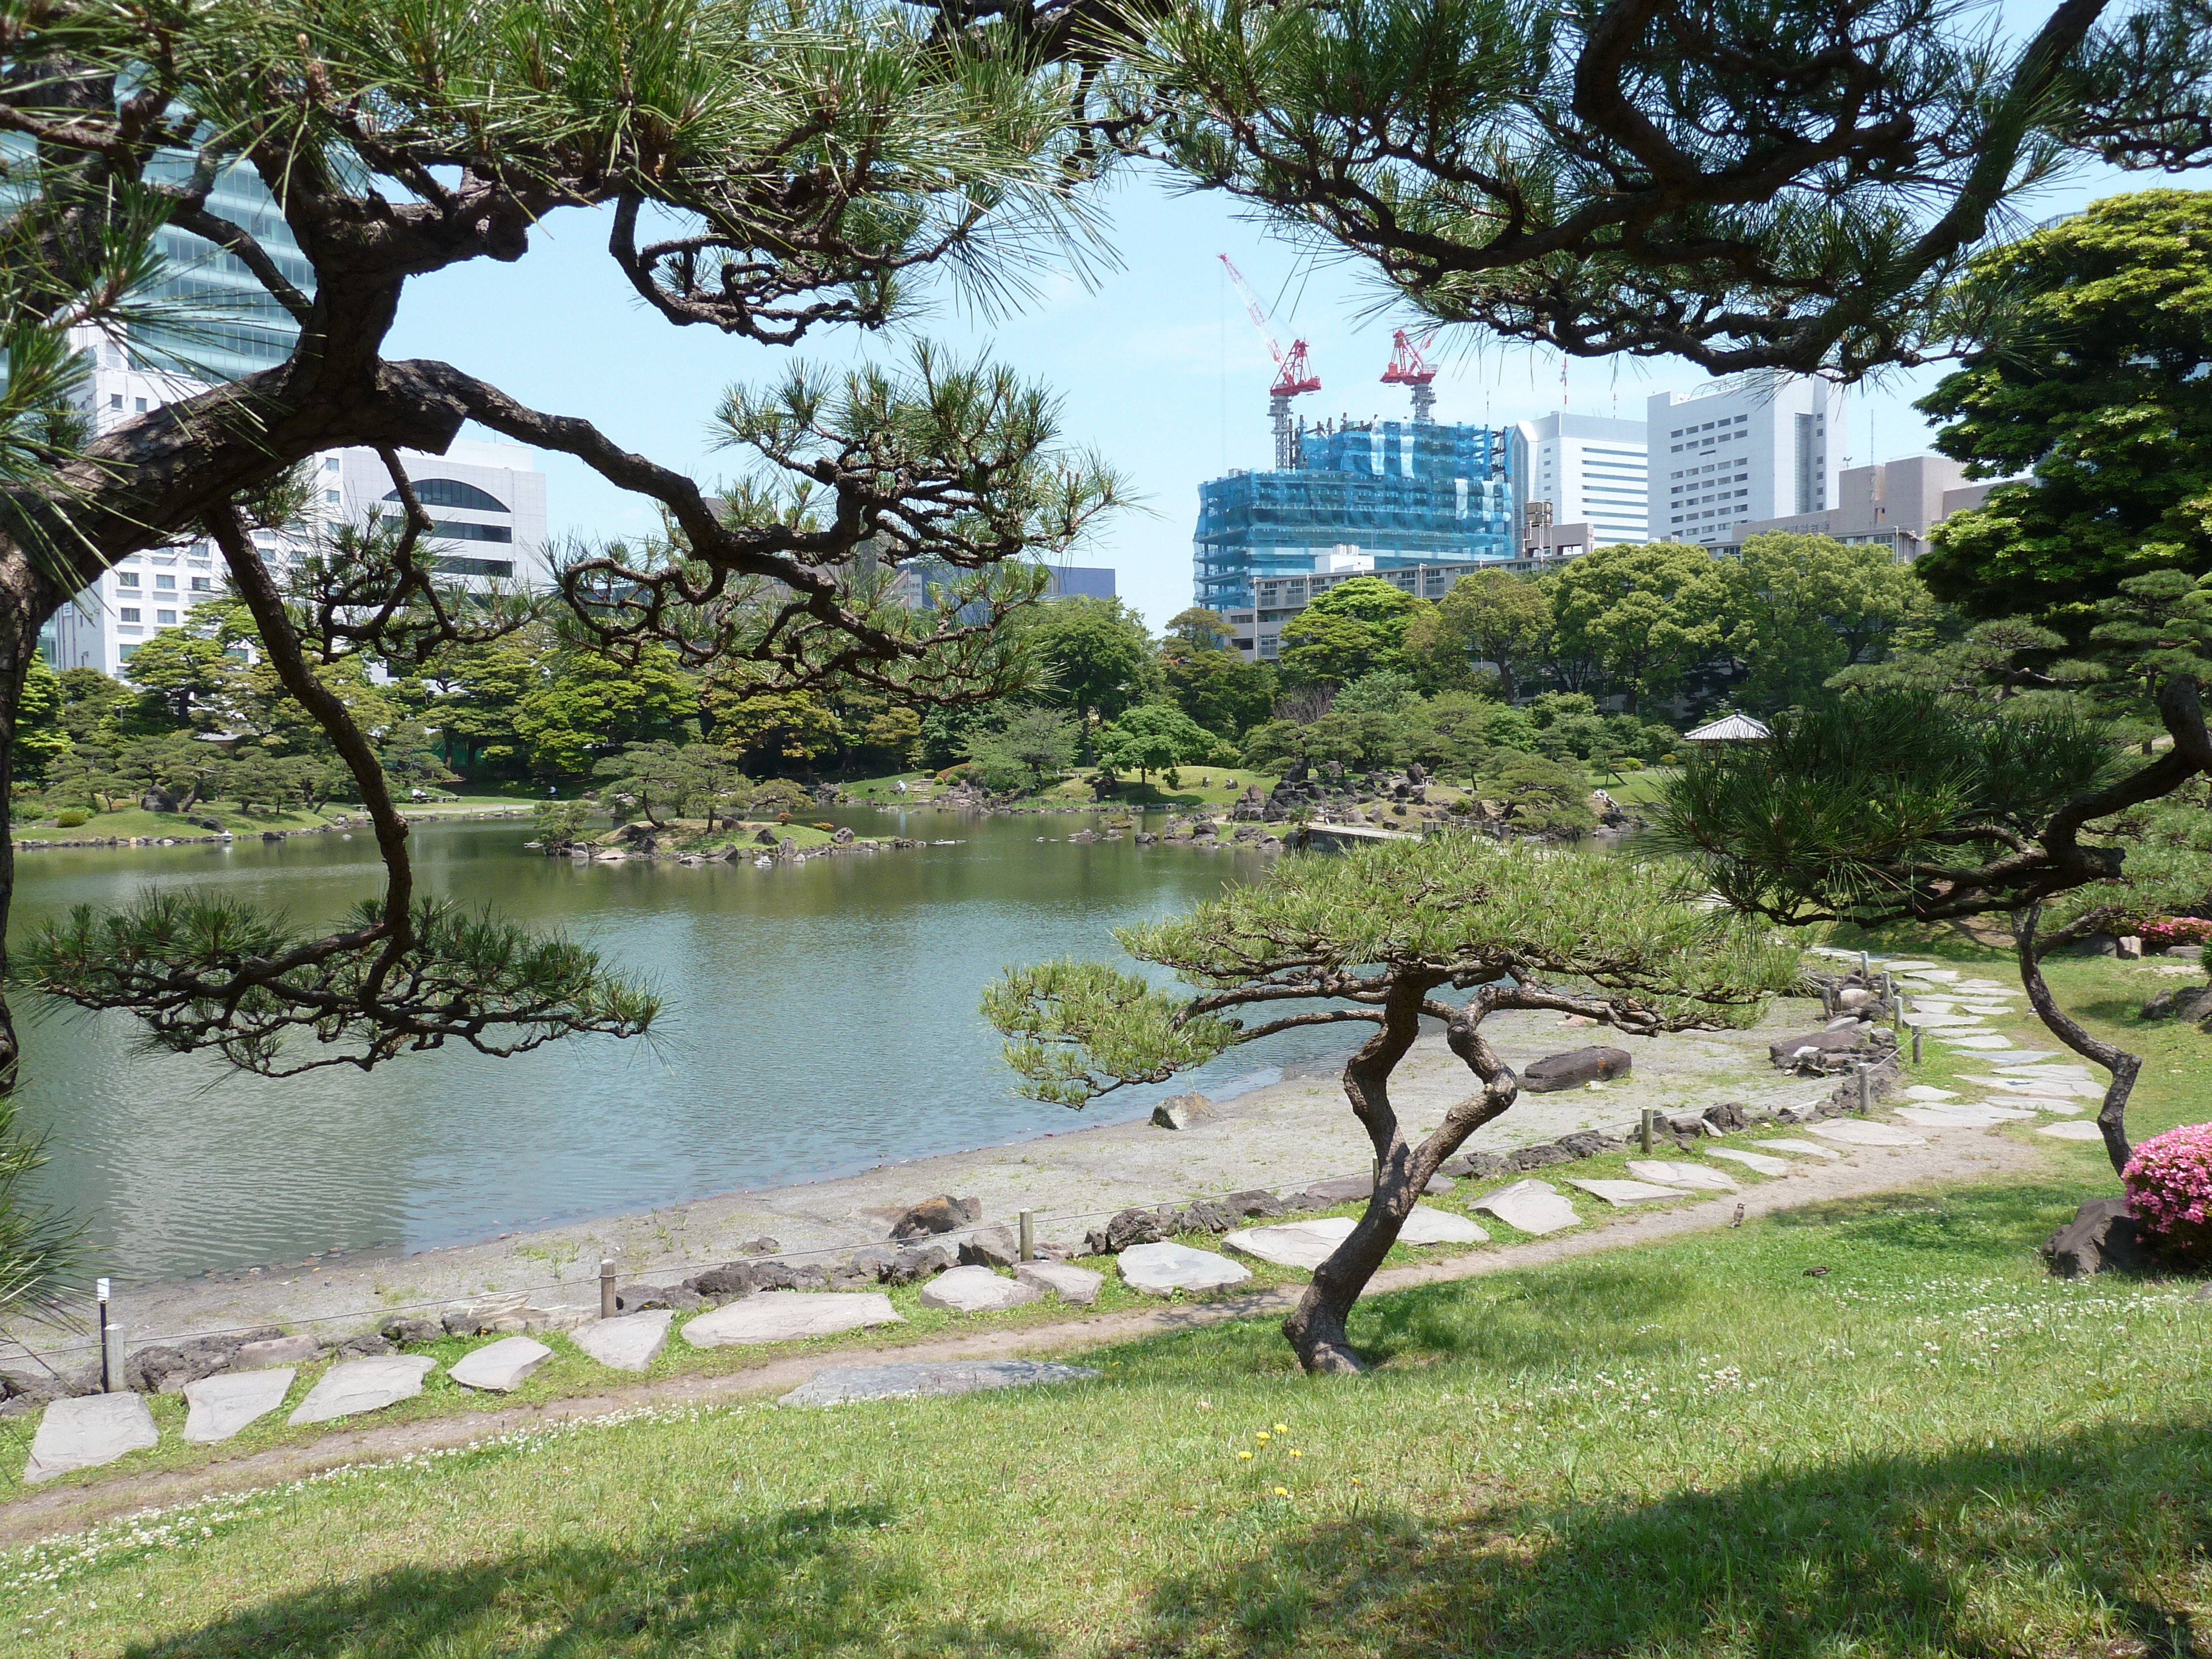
(552, 792)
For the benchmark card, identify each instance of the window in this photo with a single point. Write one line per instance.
(202, 585)
(472, 533)
(503, 569)
(452, 492)
(139, 404)
(126, 579)
(123, 655)
(166, 618)
(165, 581)
(129, 613)
(330, 463)
(115, 400)
(330, 497)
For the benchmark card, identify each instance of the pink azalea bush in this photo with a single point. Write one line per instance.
(2169, 1186)
(2162, 932)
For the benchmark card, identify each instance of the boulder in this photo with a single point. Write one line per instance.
(1181, 1111)
(941, 1214)
(1206, 1215)
(775, 1276)
(912, 1265)
(871, 1262)
(1544, 1152)
(276, 1351)
(1343, 1190)
(764, 837)
(761, 1246)
(1077, 1285)
(1575, 1068)
(729, 1281)
(2102, 1236)
(1834, 1047)
(843, 838)
(412, 1330)
(993, 1247)
(1146, 838)
(1479, 1166)
(1254, 1202)
(2191, 1002)
(1588, 1143)
(636, 1298)
(1131, 1228)
(976, 1288)
(1727, 1117)
(369, 1345)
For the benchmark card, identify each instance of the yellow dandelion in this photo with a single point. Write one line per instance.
(1247, 1456)
(1282, 1491)
(1295, 1452)
(1262, 1437)
(1357, 1481)
(1282, 1428)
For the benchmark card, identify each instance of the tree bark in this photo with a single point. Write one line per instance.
(2113, 1115)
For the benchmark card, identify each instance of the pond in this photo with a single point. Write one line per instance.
(820, 1018)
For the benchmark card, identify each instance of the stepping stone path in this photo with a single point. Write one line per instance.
(1428, 1225)
(1294, 1244)
(1077, 1285)
(1857, 1131)
(2026, 1057)
(1534, 1207)
(976, 1288)
(1961, 1116)
(1912, 967)
(2056, 1088)
(1981, 1044)
(1162, 1269)
(786, 1316)
(84, 1432)
(1669, 1173)
(277, 1351)
(1937, 975)
(629, 1343)
(2078, 1129)
(1943, 1021)
(354, 1386)
(1802, 1148)
(223, 1404)
(1922, 1091)
(1627, 1192)
(842, 1385)
(500, 1367)
(1758, 1161)
(2050, 1108)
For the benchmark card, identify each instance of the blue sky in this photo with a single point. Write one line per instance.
(1159, 370)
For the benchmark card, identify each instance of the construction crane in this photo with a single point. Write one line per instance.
(1408, 368)
(1294, 374)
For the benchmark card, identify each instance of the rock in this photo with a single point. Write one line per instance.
(1344, 1189)
(85, 1433)
(2129, 948)
(1575, 1068)
(1626, 1192)
(1537, 1157)
(764, 837)
(219, 1406)
(2076, 1131)
(912, 1266)
(412, 1330)
(1836, 1047)
(1077, 1285)
(976, 1289)
(941, 1214)
(1669, 1173)
(1294, 1243)
(276, 1351)
(1588, 1143)
(1083, 837)
(1802, 1148)
(1757, 1161)
(1534, 1207)
(1727, 1117)
(994, 1247)
(1162, 1269)
(843, 838)
(1130, 1228)
(1253, 1201)
(2102, 1236)
(2191, 1002)
(1859, 1131)
(355, 1386)
(1206, 1215)
(502, 1366)
(1181, 1111)
(1428, 1225)
(368, 1345)
(1479, 1166)
(1146, 838)
(787, 1316)
(628, 1343)
(636, 1298)
(842, 1385)
(729, 1281)
(871, 1262)
(775, 1276)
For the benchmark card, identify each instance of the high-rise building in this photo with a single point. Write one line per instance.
(1758, 446)
(1579, 470)
(1366, 496)
(1890, 504)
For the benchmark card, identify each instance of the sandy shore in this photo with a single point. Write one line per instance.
(1281, 1136)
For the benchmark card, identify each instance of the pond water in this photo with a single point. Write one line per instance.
(820, 1018)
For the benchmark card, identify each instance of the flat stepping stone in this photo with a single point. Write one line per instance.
(1077, 1285)
(1961, 1116)
(354, 1386)
(1939, 975)
(500, 1367)
(1986, 1044)
(1670, 1173)
(2030, 1060)
(1921, 1091)
(1802, 1148)
(842, 1385)
(2030, 1105)
(1295, 1243)
(1162, 1269)
(1534, 1206)
(87, 1431)
(2074, 1129)
(629, 1343)
(223, 1404)
(1427, 1225)
(1857, 1131)
(1627, 1192)
(1944, 1022)
(2055, 1089)
(786, 1315)
(1758, 1161)
(1912, 967)
(976, 1288)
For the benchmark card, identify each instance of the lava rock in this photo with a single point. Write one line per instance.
(2101, 1237)
(1132, 1227)
(1181, 1111)
(369, 1345)
(1538, 1156)
(1478, 1166)
(403, 1331)
(1728, 1117)
(1255, 1201)
(910, 1266)
(1575, 1068)
(636, 1298)
(1588, 1143)
(728, 1282)
(941, 1214)
(1204, 1215)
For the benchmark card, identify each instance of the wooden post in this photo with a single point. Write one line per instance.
(107, 1380)
(1644, 1128)
(1029, 1235)
(1915, 1045)
(110, 1359)
(1866, 1089)
(606, 1287)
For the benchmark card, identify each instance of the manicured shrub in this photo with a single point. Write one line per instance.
(70, 817)
(2169, 1186)
(2162, 932)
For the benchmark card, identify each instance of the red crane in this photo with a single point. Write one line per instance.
(1408, 368)
(1294, 373)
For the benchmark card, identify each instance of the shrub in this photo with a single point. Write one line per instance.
(830, 829)
(2169, 1186)
(70, 817)
(2160, 931)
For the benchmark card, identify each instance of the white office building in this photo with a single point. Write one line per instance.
(486, 502)
(1591, 470)
(1753, 448)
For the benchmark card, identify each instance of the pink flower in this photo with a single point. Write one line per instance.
(2169, 1187)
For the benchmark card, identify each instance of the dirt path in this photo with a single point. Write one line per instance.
(1951, 1156)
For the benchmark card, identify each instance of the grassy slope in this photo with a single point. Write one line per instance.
(1687, 1448)
(135, 821)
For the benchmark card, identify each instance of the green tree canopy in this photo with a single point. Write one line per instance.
(1644, 613)
(1373, 939)
(592, 705)
(1354, 627)
(2087, 366)
(1220, 691)
(1094, 653)
(1153, 737)
(1033, 744)
(39, 738)
(1487, 616)
(1797, 609)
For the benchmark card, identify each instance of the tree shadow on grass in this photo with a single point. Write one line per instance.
(2101, 1542)
(803, 1581)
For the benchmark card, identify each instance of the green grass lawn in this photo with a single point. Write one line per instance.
(136, 821)
(1690, 1448)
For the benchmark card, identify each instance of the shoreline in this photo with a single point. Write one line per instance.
(216, 838)
(1283, 1134)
